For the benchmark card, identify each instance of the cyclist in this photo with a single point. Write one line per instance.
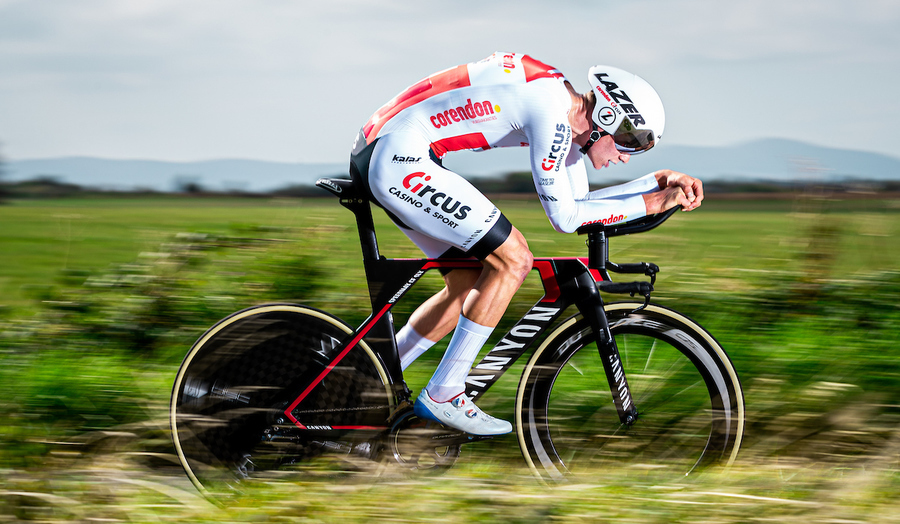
(505, 100)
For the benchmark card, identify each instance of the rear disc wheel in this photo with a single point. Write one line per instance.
(267, 390)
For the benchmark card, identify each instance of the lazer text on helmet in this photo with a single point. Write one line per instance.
(619, 98)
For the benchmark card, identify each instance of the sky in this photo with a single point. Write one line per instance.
(293, 80)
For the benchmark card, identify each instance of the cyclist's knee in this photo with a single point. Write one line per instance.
(513, 256)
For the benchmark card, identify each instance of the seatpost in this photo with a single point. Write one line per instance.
(358, 203)
(366, 226)
(382, 332)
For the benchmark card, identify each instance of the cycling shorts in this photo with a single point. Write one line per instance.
(441, 212)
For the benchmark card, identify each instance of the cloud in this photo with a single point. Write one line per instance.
(293, 79)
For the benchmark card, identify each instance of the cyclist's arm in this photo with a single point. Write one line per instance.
(645, 184)
(660, 190)
(565, 196)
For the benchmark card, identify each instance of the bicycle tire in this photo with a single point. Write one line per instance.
(688, 395)
(227, 411)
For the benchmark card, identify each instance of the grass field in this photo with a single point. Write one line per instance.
(100, 298)
(41, 238)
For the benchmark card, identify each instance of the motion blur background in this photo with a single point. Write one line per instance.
(107, 276)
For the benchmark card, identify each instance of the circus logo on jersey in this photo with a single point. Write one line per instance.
(557, 150)
(415, 184)
(477, 112)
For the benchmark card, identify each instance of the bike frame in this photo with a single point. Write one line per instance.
(566, 282)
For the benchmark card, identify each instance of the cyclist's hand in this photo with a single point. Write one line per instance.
(667, 199)
(692, 187)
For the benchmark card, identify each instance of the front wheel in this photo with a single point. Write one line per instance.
(688, 396)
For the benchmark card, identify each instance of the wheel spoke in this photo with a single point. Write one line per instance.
(674, 379)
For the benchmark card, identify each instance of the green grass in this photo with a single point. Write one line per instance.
(40, 238)
(722, 245)
(103, 297)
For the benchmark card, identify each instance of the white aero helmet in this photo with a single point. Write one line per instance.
(627, 108)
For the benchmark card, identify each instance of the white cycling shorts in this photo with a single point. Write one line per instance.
(436, 208)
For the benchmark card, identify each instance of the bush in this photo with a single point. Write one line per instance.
(80, 363)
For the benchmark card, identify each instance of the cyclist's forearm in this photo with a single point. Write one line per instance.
(645, 184)
(574, 214)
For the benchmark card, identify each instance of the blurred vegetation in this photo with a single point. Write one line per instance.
(3, 189)
(516, 182)
(102, 297)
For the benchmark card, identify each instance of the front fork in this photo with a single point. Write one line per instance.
(591, 307)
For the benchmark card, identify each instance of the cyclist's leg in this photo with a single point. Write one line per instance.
(504, 271)
(494, 286)
(436, 317)
(440, 210)
(482, 308)
(442, 205)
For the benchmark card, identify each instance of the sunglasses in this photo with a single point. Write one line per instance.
(627, 138)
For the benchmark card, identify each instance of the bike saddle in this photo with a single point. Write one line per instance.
(339, 187)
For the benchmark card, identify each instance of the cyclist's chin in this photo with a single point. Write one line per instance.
(608, 162)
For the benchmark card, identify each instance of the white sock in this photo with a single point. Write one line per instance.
(411, 345)
(449, 379)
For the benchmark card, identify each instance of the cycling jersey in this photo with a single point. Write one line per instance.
(505, 100)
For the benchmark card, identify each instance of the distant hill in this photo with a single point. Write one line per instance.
(763, 160)
(216, 175)
(770, 159)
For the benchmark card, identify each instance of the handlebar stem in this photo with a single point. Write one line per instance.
(598, 252)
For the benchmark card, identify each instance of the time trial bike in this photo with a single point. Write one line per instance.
(273, 388)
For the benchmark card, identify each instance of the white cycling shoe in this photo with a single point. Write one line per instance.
(460, 413)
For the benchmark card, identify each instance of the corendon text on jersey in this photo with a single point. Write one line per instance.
(468, 112)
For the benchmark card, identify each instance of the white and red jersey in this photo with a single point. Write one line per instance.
(510, 100)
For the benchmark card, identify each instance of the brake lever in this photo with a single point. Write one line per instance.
(646, 303)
